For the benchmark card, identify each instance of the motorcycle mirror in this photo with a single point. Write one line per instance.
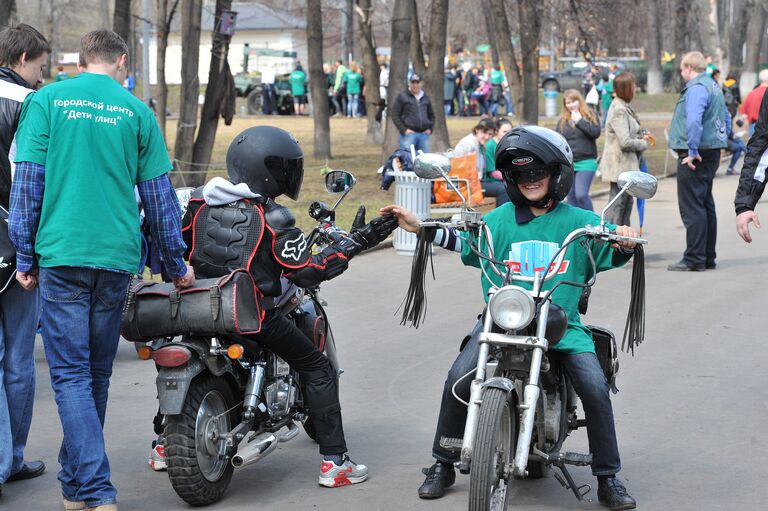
(339, 181)
(638, 184)
(431, 166)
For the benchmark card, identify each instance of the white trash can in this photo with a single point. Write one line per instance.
(550, 103)
(413, 193)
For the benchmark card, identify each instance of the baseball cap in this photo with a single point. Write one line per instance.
(415, 78)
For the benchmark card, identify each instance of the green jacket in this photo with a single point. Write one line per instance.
(710, 132)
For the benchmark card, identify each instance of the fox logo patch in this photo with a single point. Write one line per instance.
(3, 264)
(294, 249)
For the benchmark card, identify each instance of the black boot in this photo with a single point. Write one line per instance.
(612, 494)
(439, 477)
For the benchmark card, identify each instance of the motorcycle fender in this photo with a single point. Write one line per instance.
(499, 382)
(173, 384)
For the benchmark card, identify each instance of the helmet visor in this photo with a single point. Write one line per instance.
(527, 175)
(290, 172)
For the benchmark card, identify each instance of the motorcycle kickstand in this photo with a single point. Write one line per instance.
(569, 484)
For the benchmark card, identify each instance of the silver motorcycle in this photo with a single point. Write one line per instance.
(521, 409)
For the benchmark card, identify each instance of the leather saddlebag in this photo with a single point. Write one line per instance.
(219, 306)
(607, 353)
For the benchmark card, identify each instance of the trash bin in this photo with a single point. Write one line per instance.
(550, 103)
(413, 193)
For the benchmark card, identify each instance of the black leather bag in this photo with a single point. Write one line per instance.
(7, 254)
(220, 306)
(607, 353)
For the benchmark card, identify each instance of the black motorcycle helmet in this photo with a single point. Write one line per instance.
(525, 153)
(267, 159)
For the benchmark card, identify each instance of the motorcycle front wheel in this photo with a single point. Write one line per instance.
(494, 450)
(197, 473)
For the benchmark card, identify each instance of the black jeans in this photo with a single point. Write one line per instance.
(283, 338)
(588, 380)
(697, 208)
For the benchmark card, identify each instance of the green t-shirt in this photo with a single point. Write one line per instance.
(354, 80)
(298, 80)
(96, 141)
(490, 158)
(497, 77)
(607, 97)
(530, 246)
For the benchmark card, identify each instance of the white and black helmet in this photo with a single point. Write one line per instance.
(525, 152)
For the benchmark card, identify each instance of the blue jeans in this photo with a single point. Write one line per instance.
(588, 380)
(353, 101)
(418, 140)
(81, 329)
(579, 194)
(737, 148)
(508, 103)
(493, 106)
(19, 314)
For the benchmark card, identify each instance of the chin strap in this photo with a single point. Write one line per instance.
(634, 330)
(415, 303)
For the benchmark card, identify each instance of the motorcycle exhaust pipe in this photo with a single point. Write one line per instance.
(258, 448)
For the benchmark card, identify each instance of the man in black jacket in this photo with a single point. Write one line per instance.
(414, 117)
(752, 179)
(23, 54)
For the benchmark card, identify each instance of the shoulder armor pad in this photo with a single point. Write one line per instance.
(278, 217)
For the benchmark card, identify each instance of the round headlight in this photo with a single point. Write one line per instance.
(512, 308)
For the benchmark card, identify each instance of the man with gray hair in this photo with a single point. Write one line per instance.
(700, 127)
(84, 145)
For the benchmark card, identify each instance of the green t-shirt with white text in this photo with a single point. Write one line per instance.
(96, 142)
(298, 80)
(530, 246)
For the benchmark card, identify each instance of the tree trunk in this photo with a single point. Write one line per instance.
(191, 12)
(501, 36)
(209, 118)
(364, 11)
(7, 12)
(491, 31)
(317, 81)
(738, 34)
(755, 34)
(681, 40)
(417, 50)
(164, 18)
(655, 83)
(104, 14)
(398, 70)
(435, 75)
(121, 20)
(348, 35)
(530, 28)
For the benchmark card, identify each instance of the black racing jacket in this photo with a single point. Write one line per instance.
(13, 90)
(753, 176)
(260, 236)
(414, 114)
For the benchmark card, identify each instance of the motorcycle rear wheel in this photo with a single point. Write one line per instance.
(494, 451)
(196, 472)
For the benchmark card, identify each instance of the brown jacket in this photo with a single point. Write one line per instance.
(623, 141)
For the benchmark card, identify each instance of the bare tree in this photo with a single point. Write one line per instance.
(164, 18)
(738, 19)
(530, 30)
(364, 10)
(655, 83)
(215, 97)
(121, 20)
(501, 37)
(191, 12)
(417, 50)
(755, 35)
(681, 38)
(435, 73)
(7, 12)
(398, 70)
(318, 86)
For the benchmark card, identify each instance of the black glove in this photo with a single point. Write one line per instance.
(344, 242)
(374, 232)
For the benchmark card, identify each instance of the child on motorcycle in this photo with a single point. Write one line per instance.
(537, 168)
(236, 223)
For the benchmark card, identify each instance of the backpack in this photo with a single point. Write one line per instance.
(406, 165)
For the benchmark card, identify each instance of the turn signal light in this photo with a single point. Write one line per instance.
(144, 352)
(172, 356)
(235, 351)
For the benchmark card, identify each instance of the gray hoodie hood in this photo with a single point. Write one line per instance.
(218, 191)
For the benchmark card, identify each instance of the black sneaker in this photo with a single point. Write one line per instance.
(612, 494)
(439, 477)
(682, 266)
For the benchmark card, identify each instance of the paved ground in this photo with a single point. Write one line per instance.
(691, 413)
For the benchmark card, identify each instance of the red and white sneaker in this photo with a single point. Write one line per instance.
(333, 475)
(157, 457)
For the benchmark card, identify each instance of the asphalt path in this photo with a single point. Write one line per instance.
(691, 413)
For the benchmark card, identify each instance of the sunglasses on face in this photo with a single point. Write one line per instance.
(528, 175)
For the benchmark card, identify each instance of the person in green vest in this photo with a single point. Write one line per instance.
(537, 168)
(354, 83)
(699, 131)
(497, 89)
(298, 81)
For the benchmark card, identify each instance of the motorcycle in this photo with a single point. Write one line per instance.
(226, 403)
(522, 406)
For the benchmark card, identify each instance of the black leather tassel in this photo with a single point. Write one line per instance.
(634, 330)
(415, 303)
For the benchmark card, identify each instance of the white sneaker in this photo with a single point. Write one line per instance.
(157, 457)
(333, 475)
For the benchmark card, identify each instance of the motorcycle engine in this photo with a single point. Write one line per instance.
(280, 397)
